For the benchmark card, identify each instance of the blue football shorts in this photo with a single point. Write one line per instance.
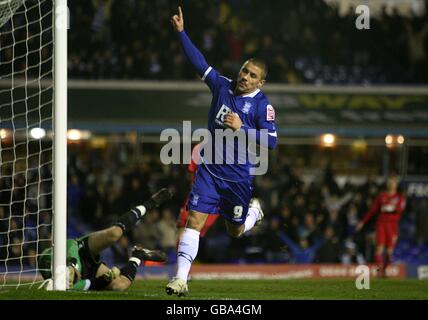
(212, 195)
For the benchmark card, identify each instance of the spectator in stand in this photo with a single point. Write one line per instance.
(330, 250)
(272, 243)
(168, 232)
(147, 233)
(302, 252)
(351, 255)
(422, 222)
(105, 35)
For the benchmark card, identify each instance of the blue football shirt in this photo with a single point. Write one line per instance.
(255, 112)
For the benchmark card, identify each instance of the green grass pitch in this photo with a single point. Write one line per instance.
(325, 289)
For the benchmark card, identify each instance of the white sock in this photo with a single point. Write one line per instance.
(142, 210)
(186, 253)
(135, 260)
(252, 215)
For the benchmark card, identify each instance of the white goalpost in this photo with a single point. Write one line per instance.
(60, 144)
(33, 149)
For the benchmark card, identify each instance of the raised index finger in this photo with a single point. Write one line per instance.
(180, 13)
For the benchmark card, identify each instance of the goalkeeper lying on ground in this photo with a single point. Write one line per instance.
(85, 271)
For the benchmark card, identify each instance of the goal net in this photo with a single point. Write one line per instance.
(27, 144)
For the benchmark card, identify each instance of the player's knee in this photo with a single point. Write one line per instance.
(195, 222)
(235, 234)
(235, 231)
(114, 233)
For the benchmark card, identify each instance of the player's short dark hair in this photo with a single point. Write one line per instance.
(261, 64)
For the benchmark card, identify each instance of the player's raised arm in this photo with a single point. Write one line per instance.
(192, 53)
(178, 21)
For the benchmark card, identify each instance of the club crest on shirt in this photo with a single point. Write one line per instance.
(270, 113)
(195, 199)
(246, 108)
(390, 206)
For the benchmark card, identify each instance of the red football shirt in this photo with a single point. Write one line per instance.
(389, 206)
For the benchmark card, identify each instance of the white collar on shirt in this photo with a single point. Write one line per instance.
(250, 95)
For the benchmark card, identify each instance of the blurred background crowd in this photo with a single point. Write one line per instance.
(307, 220)
(306, 42)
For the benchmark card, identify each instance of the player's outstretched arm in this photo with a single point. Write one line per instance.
(192, 53)
(374, 209)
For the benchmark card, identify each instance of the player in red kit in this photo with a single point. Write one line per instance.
(184, 213)
(390, 206)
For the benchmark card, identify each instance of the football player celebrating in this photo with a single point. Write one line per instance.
(240, 107)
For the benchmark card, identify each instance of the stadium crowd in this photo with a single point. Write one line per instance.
(306, 220)
(306, 42)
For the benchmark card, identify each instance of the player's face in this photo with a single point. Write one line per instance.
(249, 78)
(392, 184)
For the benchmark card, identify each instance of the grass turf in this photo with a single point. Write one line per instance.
(325, 289)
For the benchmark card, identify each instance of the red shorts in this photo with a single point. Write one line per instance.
(387, 233)
(184, 213)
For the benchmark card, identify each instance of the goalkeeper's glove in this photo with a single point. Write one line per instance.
(73, 274)
(112, 274)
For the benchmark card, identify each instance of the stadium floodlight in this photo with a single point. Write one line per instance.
(400, 139)
(328, 140)
(77, 135)
(33, 94)
(38, 133)
(389, 140)
(3, 134)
